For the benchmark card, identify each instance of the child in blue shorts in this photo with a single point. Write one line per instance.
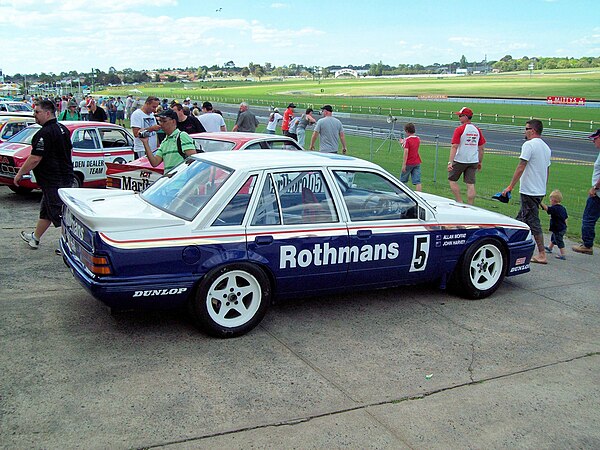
(558, 223)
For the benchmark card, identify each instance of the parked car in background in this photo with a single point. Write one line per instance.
(9, 126)
(94, 144)
(140, 174)
(226, 233)
(15, 108)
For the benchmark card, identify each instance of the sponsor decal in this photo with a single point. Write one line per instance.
(131, 184)
(159, 292)
(454, 239)
(520, 261)
(290, 258)
(520, 268)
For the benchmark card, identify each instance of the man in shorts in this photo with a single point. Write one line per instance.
(466, 155)
(50, 160)
(532, 171)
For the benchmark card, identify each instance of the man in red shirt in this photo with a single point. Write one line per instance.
(466, 155)
(287, 117)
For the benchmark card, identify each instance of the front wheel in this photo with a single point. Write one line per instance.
(231, 300)
(19, 190)
(480, 270)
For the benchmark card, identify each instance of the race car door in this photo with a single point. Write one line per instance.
(388, 242)
(296, 231)
(117, 145)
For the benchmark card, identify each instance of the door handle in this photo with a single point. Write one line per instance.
(263, 240)
(364, 234)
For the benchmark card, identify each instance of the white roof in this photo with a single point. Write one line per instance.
(265, 159)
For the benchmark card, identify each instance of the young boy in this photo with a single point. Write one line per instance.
(411, 162)
(558, 223)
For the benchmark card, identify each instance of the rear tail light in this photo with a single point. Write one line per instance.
(98, 265)
(114, 183)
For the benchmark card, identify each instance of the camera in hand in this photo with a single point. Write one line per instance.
(144, 133)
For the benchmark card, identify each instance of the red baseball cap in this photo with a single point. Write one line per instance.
(595, 135)
(466, 111)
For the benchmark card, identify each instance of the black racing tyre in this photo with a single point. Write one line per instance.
(20, 190)
(231, 300)
(480, 270)
(77, 181)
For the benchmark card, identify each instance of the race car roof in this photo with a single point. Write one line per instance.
(264, 159)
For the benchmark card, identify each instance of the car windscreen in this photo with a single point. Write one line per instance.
(25, 136)
(19, 107)
(186, 189)
(211, 145)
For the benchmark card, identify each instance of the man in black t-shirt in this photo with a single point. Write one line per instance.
(52, 166)
(97, 113)
(186, 123)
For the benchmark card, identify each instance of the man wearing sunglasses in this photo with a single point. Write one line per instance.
(532, 173)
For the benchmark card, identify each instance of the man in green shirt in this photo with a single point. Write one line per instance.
(170, 150)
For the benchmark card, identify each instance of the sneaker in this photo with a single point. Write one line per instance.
(562, 257)
(583, 249)
(30, 239)
(548, 249)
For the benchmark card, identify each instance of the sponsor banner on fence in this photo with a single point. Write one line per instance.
(432, 96)
(551, 100)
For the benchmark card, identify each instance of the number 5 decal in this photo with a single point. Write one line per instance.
(420, 253)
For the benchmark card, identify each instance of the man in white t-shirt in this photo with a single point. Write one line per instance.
(211, 121)
(142, 119)
(532, 171)
(274, 117)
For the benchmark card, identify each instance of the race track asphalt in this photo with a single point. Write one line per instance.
(411, 367)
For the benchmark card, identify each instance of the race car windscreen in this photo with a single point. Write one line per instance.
(25, 136)
(185, 190)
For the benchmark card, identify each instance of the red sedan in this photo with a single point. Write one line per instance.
(139, 174)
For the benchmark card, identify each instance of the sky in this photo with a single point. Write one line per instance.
(63, 35)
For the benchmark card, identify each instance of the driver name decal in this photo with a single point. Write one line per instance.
(289, 257)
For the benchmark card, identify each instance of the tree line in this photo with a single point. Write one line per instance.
(129, 76)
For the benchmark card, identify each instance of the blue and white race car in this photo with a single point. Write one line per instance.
(229, 232)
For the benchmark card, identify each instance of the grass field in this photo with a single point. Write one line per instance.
(358, 96)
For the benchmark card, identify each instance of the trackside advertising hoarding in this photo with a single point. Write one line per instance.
(551, 100)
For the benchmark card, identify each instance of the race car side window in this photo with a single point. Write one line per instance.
(85, 139)
(233, 214)
(370, 196)
(267, 211)
(304, 198)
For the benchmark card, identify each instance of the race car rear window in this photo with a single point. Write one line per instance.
(185, 190)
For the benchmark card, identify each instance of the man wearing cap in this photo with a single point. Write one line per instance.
(532, 171)
(591, 214)
(71, 112)
(211, 121)
(246, 120)
(330, 132)
(288, 114)
(466, 155)
(177, 146)
(274, 117)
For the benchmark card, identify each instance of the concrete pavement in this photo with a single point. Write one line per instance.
(411, 367)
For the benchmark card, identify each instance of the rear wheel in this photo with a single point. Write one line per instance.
(480, 270)
(231, 300)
